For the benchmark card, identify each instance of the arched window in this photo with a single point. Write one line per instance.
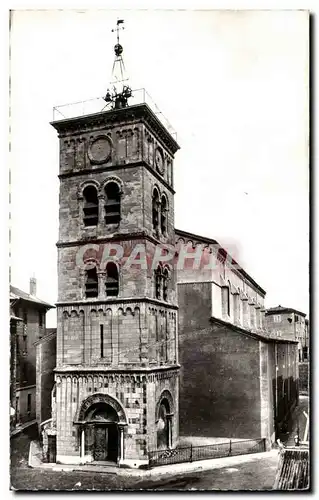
(91, 206)
(164, 215)
(112, 203)
(165, 283)
(155, 207)
(158, 279)
(112, 280)
(91, 284)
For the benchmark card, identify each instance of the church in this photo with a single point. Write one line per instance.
(118, 390)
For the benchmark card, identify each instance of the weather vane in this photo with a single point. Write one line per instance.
(121, 93)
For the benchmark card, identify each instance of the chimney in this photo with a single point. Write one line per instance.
(33, 286)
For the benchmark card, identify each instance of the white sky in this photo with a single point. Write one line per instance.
(234, 84)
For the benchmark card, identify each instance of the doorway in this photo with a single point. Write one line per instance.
(163, 425)
(105, 443)
(51, 455)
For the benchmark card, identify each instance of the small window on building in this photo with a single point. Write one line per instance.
(29, 404)
(165, 284)
(102, 341)
(41, 318)
(112, 280)
(112, 203)
(25, 316)
(91, 284)
(158, 279)
(155, 208)
(25, 371)
(25, 344)
(277, 318)
(91, 206)
(296, 318)
(228, 298)
(164, 215)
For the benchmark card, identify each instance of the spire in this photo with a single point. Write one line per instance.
(120, 92)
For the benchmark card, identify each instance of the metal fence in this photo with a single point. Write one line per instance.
(194, 453)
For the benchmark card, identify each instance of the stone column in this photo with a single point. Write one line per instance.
(169, 418)
(121, 450)
(82, 442)
(101, 201)
(101, 275)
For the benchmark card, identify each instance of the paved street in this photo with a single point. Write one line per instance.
(298, 420)
(257, 474)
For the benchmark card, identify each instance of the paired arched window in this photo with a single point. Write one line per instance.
(91, 206)
(91, 283)
(112, 280)
(161, 278)
(112, 203)
(159, 212)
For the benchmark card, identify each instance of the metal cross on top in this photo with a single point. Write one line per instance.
(118, 28)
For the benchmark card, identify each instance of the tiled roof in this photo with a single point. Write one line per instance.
(281, 309)
(16, 293)
(293, 469)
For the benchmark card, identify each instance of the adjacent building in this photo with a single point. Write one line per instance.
(236, 379)
(292, 324)
(45, 365)
(27, 325)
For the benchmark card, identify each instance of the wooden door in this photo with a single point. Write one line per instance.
(51, 449)
(100, 443)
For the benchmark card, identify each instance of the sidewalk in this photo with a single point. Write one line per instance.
(165, 470)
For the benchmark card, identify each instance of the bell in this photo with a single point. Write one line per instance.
(108, 97)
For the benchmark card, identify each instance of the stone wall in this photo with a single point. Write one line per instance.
(137, 334)
(219, 379)
(46, 362)
(231, 385)
(138, 394)
(304, 377)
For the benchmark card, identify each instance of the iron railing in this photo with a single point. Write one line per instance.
(98, 105)
(195, 453)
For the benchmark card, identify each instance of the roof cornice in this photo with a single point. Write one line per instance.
(114, 117)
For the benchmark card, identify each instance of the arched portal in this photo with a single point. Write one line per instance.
(102, 420)
(164, 414)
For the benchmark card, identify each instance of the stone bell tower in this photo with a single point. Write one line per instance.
(116, 392)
